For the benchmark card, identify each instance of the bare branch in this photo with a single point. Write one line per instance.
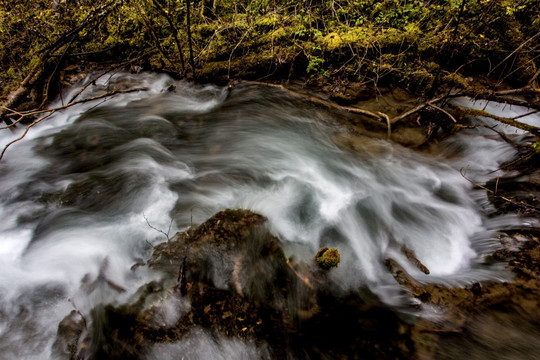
(507, 121)
(174, 32)
(524, 115)
(158, 230)
(12, 112)
(24, 134)
(52, 111)
(492, 128)
(515, 203)
(515, 51)
(94, 80)
(377, 116)
(388, 124)
(97, 15)
(444, 112)
(416, 109)
(97, 97)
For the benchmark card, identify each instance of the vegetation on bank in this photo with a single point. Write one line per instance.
(419, 45)
(351, 50)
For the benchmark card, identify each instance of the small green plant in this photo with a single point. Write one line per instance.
(327, 258)
(315, 66)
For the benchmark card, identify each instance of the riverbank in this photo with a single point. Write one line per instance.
(350, 49)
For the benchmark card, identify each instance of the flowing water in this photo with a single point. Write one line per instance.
(89, 191)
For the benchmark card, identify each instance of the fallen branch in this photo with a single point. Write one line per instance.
(17, 96)
(52, 111)
(417, 109)
(373, 115)
(24, 134)
(444, 112)
(526, 90)
(492, 128)
(515, 203)
(97, 97)
(12, 124)
(526, 114)
(388, 124)
(507, 121)
(83, 89)
(506, 96)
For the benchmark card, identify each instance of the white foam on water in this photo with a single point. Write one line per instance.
(118, 174)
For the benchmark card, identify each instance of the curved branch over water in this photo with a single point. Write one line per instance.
(52, 111)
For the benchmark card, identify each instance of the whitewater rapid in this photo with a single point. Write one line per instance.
(87, 193)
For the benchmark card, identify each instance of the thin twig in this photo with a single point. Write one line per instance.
(416, 109)
(518, 204)
(444, 112)
(52, 111)
(13, 112)
(94, 80)
(190, 43)
(234, 49)
(158, 230)
(314, 99)
(515, 51)
(492, 128)
(24, 134)
(97, 97)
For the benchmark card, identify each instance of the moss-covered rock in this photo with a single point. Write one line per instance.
(327, 258)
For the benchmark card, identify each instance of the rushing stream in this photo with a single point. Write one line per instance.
(89, 191)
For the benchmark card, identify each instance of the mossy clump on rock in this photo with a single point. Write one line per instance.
(327, 258)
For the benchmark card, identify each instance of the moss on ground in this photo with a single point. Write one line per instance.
(373, 42)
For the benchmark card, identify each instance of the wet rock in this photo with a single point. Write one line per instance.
(238, 284)
(232, 250)
(519, 190)
(327, 258)
(454, 314)
(68, 335)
